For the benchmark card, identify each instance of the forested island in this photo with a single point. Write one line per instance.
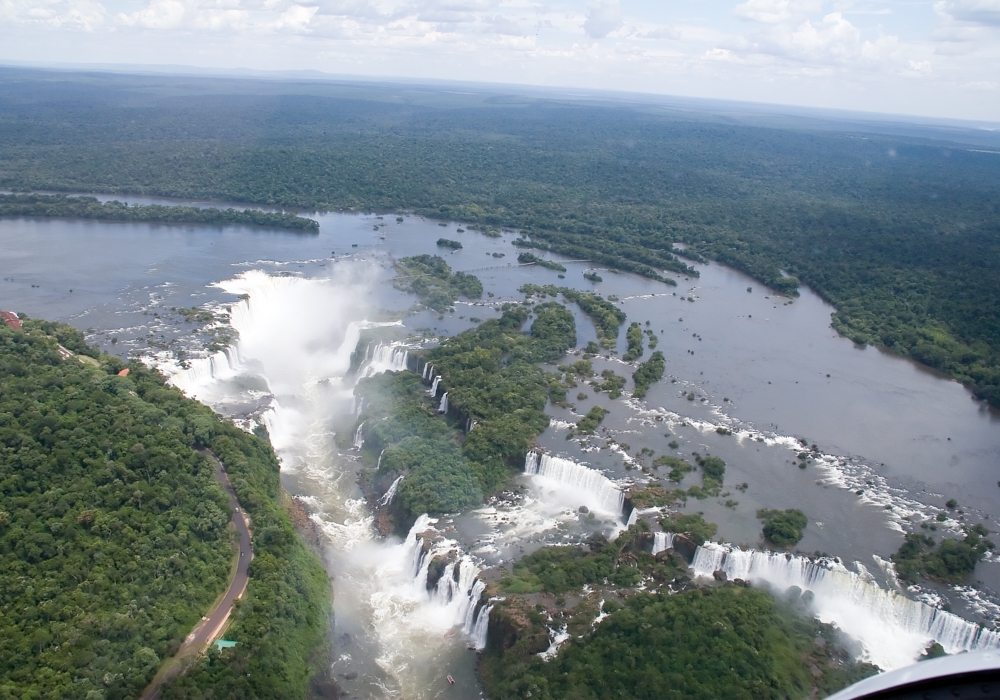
(57, 205)
(898, 232)
(114, 538)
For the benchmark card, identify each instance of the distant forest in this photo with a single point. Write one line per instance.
(899, 232)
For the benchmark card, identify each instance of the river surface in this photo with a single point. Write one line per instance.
(895, 441)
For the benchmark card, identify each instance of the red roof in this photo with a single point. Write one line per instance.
(11, 319)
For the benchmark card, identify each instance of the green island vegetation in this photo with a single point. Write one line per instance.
(491, 375)
(702, 642)
(613, 383)
(783, 528)
(530, 259)
(592, 277)
(591, 420)
(896, 230)
(648, 373)
(691, 524)
(952, 561)
(114, 538)
(679, 467)
(606, 317)
(431, 279)
(654, 339)
(448, 243)
(633, 336)
(58, 205)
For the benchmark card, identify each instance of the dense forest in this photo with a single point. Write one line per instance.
(669, 638)
(56, 205)
(114, 538)
(899, 232)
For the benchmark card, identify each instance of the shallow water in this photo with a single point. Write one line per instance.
(882, 423)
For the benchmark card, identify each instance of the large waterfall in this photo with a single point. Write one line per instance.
(662, 541)
(384, 357)
(456, 596)
(892, 629)
(443, 406)
(434, 387)
(589, 486)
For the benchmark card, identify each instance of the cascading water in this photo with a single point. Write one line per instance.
(892, 629)
(359, 439)
(385, 357)
(390, 492)
(296, 339)
(434, 387)
(574, 480)
(443, 406)
(662, 541)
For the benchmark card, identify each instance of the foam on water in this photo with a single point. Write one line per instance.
(892, 629)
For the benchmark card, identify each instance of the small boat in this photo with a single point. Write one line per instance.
(449, 635)
(451, 680)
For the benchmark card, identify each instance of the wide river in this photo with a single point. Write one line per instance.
(896, 440)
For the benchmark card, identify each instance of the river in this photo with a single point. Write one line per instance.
(896, 440)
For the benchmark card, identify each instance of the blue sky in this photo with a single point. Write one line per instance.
(936, 58)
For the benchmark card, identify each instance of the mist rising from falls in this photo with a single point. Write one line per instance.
(574, 483)
(296, 340)
(384, 357)
(893, 629)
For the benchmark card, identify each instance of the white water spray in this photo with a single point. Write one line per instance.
(434, 387)
(892, 629)
(384, 357)
(589, 486)
(662, 541)
(390, 492)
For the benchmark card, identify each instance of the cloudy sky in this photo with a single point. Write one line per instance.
(935, 58)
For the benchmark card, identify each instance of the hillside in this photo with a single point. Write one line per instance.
(114, 538)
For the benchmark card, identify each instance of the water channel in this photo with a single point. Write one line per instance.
(896, 440)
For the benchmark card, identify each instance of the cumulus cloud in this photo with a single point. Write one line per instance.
(981, 12)
(80, 15)
(603, 17)
(776, 11)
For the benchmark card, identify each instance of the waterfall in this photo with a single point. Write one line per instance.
(892, 629)
(633, 518)
(662, 541)
(443, 407)
(595, 490)
(378, 465)
(390, 493)
(434, 387)
(391, 357)
(459, 589)
(425, 375)
(481, 627)
(222, 365)
(359, 441)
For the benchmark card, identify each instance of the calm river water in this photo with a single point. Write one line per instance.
(897, 440)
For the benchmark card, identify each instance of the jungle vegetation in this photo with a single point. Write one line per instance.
(492, 377)
(896, 226)
(431, 279)
(606, 317)
(530, 259)
(57, 205)
(951, 560)
(649, 372)
(783, 527)
(724, 642)
(114, 538)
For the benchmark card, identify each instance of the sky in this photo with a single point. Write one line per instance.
(939, 58)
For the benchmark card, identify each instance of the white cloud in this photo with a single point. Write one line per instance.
(80, 15)
(981, 12)
(159, 14)
(603, 17)
(776, 11)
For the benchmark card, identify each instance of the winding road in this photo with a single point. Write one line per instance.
(211, 626)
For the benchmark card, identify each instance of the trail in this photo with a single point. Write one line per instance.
(211, 625)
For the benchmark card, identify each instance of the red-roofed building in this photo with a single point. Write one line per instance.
(11, 319)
